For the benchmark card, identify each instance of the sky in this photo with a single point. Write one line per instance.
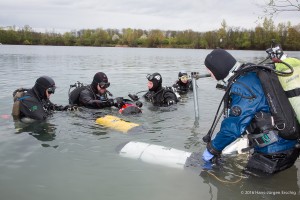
(197, 15)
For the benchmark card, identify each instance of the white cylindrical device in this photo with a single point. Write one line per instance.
(155, 154)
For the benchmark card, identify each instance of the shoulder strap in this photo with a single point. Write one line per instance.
(22, 98)
(293, 93)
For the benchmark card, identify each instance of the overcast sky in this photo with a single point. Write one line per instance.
(198, 15)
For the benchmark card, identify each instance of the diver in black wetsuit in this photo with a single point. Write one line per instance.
(183, 85)
(95, 95)
(35, 103)
(158, 95)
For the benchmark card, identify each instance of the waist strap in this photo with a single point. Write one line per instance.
(293, 93)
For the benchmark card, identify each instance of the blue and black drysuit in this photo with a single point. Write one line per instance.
(246, 99)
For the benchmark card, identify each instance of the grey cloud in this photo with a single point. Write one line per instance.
(198, 15)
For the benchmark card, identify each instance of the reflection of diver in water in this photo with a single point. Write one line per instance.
(228, 184)
(42, 131)
(226, 181)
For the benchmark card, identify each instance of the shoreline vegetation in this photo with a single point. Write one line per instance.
(225, 37)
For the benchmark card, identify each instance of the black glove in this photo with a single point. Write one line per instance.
(139, 104)
(111, 102)
(119, 102)
(65, 108)
(71, 108)
(57, 108)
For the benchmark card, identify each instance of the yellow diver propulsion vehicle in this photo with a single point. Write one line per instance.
(116, 123)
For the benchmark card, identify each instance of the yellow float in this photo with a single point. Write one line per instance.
(116, 123)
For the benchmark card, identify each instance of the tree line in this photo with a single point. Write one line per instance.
(225, 37)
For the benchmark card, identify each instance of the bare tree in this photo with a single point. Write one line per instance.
(277, 6)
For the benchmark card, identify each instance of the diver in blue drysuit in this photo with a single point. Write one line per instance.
(247, 104)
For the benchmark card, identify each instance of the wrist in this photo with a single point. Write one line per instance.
(213, 150)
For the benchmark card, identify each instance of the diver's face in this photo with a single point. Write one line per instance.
(101, 90)
(50, 91)
(184, 79)
(212, 75)
(150, 85)
(48, 94)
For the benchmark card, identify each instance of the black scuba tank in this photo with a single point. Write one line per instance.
(75, 93)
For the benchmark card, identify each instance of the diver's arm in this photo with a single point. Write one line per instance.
(53, 107)
(169, 98)
(242, 111)
(175, 85)
(87, 99)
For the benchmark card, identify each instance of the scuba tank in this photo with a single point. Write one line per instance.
(129, 107)
(288, 72)
(18, 95)
(74, 94)
(291, 83)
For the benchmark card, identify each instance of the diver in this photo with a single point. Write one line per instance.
(96, 94)
(249, 112)
(184, 84)
(158, 95)
(34, 104)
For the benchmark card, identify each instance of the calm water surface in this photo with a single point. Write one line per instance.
(71, 157)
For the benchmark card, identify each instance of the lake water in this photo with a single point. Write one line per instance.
(71, 157)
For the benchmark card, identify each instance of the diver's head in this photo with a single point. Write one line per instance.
(44, 87)
(219, 62)
(183, 77)
(154, 81)
(100, 82)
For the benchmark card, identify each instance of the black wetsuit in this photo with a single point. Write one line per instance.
(161, 97)
(88, 98)
(32, 106)
(183, 88)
